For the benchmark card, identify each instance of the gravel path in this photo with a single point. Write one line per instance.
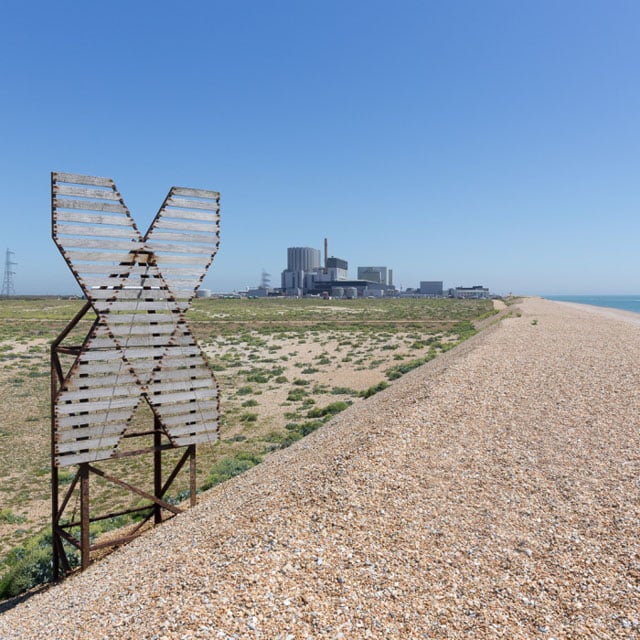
(493, 493)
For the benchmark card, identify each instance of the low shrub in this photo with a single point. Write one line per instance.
(367, 393)
(295, 395)
(8, 517)
(29, 565)
(244, 391)
(329, 410)
(399, 370)
(231, 466)
(343, 391)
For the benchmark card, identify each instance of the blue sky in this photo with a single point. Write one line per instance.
(492, 142)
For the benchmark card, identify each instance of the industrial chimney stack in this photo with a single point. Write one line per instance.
(326, 252)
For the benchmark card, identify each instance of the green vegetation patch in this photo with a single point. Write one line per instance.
(230, 467)
(329, 410)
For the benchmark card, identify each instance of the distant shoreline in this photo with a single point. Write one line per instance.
(628, 302)
(615, 313)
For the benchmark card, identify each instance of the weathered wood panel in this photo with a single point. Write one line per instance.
(100, 230)
(141, 348)
(195, 193)
(103, 430)
(178, 422)
(89, 205)
(85, 192)
(187, 203)
(99, 418)
(197, 438)
(76, 178)
(181, 214)
(92, 218)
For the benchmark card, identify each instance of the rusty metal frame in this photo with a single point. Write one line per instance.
(157, 508)
(139, 349)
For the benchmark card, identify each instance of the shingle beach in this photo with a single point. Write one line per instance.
(493, 493)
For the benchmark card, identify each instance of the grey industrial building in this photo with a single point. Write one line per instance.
(380, 275)
(301, 262)
(431, 288)
(305, 274)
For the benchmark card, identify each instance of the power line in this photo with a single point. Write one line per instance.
(7, 282)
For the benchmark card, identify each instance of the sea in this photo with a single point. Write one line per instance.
(628, 302)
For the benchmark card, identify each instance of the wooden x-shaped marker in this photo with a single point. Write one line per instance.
(140, 346)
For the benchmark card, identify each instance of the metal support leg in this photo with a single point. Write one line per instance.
(157, 470)
(54, 523)
(85, 543)
(192, 475)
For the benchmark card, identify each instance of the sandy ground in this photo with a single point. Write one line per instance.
(493, 493)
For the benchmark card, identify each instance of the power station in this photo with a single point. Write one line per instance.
(306, 275)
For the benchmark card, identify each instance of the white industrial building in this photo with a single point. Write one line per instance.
(476, 292)
(379, 275)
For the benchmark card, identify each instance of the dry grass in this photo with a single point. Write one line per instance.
(275, 362)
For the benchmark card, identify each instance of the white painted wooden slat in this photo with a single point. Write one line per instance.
(184, 272)
(84, 192)
(180, 409)
(186, 344)
(170, 375)
(119, 271)
(127, 341)
(121, 294)
(166, 260)
(107, 279)
(187, 429)
(180, 284)
(103, 245)
(186, 385)
(174, 361)
(104, 368)
(89, 205)
(139, 305)
(188, 237)
(183, 396)
(113, 259)
(97, 443)
(195, 193)
(143, 353)
(174, 421)
(72, 435)
(99, 405)
(161, 332)
(93, 218)
(187, 203)
(139, 324)
(59, 176)
(100, 230)
(180, 214)
(88, 456)
(162, 248)
(96, 389)
(141, 319)
(101, 418)
(102, 383)
(104, 355)
(186, 226)
(209, 436)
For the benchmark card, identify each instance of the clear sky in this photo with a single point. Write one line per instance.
(492, 142)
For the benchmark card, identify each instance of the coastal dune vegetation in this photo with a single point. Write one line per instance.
(284, 367)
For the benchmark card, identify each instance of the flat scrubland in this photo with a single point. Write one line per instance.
(492, 493)
(283, 367)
